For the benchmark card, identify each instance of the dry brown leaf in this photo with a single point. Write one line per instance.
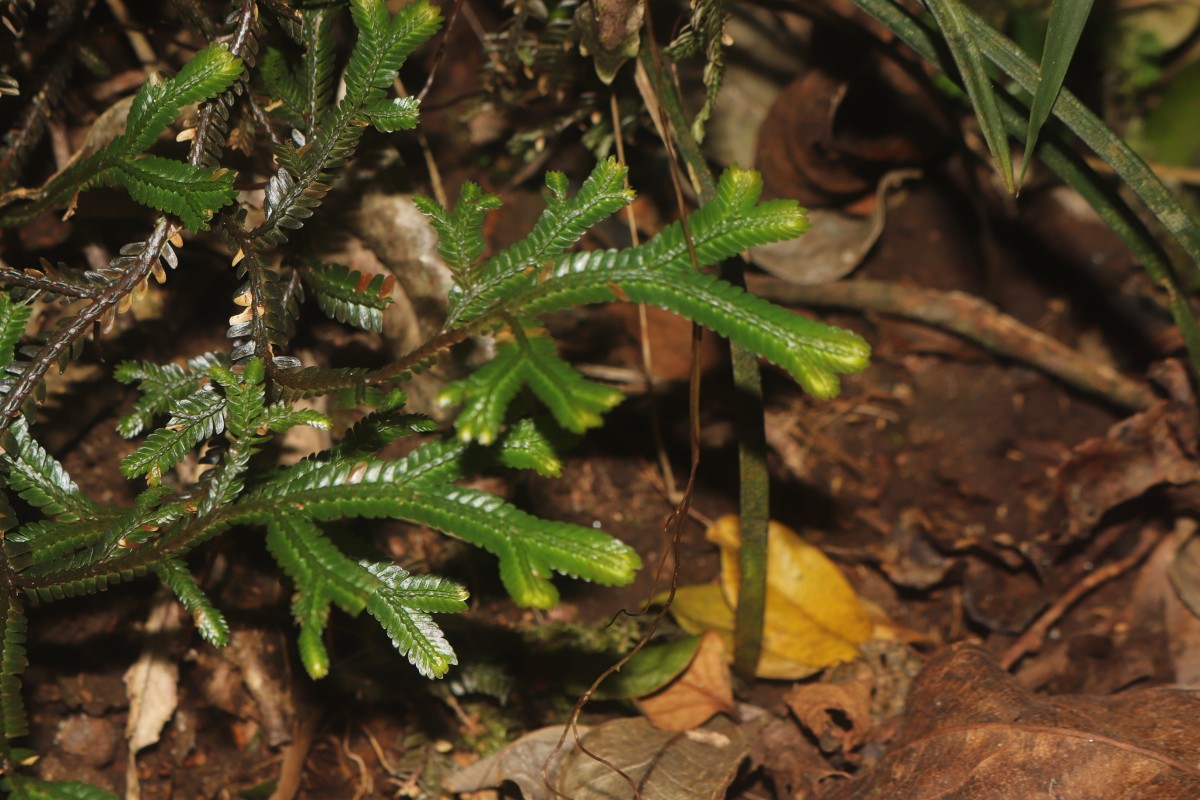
(837, 714)
(703, 689)
(971, 731)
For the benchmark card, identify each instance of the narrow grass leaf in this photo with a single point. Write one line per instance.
(1067, 18)
(951, 19)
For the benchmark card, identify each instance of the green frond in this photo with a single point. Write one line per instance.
(322, 575)
(57, 586)
(460, 232)
(127, 531)
(193, 194)
(486, 394)
(319, 62)
(402, 605)
(560, 226)
(210, 72)
(161, 386)
(318, 381)
(281, 418)
(45, 541)
(209, 621)
(397, 114)
(340, 487)
(376, 431)
(281, 84)
(42, 481)
(245, 397)
(13, 317)
(384, 42)
(350, 296)
(812, 352)
(576, 403)
(660, 272)
(12, 664)
(527, 446)
(194, 419)
(529, 548)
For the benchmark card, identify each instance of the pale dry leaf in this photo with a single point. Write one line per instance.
(152, 684)
(663, 765)
(519, 762)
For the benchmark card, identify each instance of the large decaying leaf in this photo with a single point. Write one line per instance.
(698, 765)
(972, 731)
(518, 762)
(813, 618)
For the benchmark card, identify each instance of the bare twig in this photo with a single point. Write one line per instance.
(1035, 635)
(973, 319)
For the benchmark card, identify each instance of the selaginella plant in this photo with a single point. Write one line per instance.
(512, 409)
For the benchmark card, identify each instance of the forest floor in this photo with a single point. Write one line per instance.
(1016, 534)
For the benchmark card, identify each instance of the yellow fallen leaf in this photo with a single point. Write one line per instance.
(813, 620)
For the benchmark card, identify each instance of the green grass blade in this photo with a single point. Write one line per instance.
(1110, 147)
(1067, 18)
(1062, 159)
(951, 19)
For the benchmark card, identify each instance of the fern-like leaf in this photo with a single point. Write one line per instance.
(281, 84)
(196, 418)
(397, 114)
(576, 403)
(402, 604)
(210, 72)
(350, 296)
(560, 226)
(460, 232)
(12, 664)
(526, 445)
(42, 481)
(13, 317)
(193, 194)
(319, 61)
(322, 575)
(529, 548)
(384, 42)
(161, 386)
(660, 273)
(246, 398)
(209, 621)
